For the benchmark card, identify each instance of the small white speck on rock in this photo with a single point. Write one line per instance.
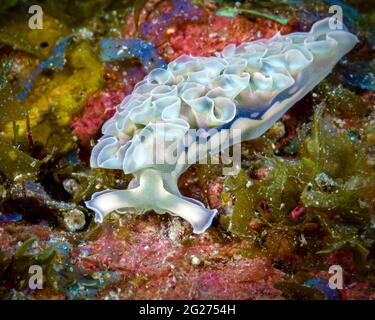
(249, 184)
(195, 261)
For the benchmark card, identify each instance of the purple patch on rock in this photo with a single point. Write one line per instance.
(115, 49)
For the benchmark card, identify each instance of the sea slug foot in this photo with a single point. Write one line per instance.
(151, 194)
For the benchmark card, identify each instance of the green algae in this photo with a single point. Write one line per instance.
(234, 12)
(328, 168)
(340, 101)
(56, 97)
(138, 6)
(330, 177)
(293, 290)
(75, 11)
(4, 73)
(246, 202)
(64, 93)
(59, 273)
(6, 4)
(15, 32)
(16, 164)
(16, 267)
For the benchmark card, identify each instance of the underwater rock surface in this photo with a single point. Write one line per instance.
(302, 201)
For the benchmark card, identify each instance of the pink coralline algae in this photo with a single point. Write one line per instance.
(99, 108)
(157, 266)
(297, 213)
(247, 279)
(175, 12)
(180, 27)
(205, 39)
(102, 105)
(214, 193)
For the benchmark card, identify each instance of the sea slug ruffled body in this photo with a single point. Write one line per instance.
(245, 88)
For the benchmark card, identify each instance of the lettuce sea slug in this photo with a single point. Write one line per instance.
(233, 97)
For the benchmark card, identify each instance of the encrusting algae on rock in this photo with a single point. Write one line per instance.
(300, 199)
